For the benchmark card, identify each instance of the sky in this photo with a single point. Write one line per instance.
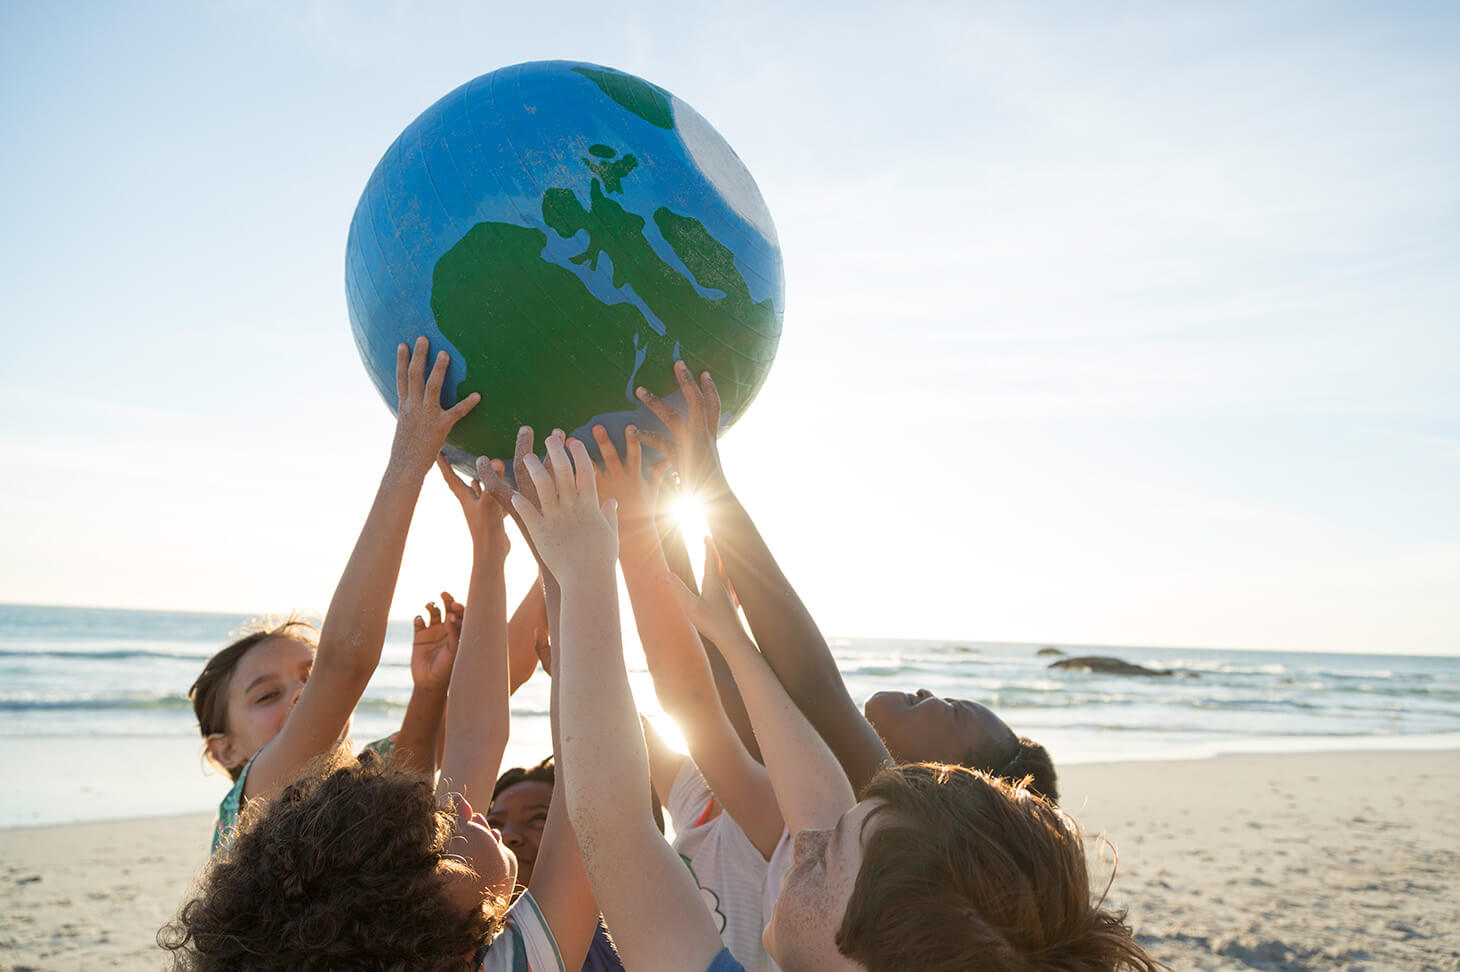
(1117, 324)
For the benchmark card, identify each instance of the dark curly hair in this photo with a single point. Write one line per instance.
(1030, 762)
(347, 868)
(546, 772)
(964, 870)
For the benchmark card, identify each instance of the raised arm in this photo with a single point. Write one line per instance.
(433, 652)
(354, 628)
(476, 706)
(677, 661)
(810, 785)
(649, 898)
(671, 542)
(789, 639)
(560, 883)
(529, 618)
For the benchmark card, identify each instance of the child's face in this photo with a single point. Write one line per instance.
(923, 728)
(519, 813)
(493, 868)
(814, 894)
(261, 692)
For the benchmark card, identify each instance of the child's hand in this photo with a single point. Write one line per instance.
(566, 526)
(494, 485)
(712, 611)
(623, 479)
(692, 444)
(433, 648)
(421, 424)
(482, 509)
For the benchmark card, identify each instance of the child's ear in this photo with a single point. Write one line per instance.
(222, 751)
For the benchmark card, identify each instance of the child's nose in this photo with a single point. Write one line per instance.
(295, 701)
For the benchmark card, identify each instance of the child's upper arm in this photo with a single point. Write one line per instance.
(652, 904)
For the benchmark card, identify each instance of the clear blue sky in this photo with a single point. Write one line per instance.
(1129, 324)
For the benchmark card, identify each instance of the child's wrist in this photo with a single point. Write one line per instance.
(713, 488)
(584, 573)
(491, 539)
(429, 692)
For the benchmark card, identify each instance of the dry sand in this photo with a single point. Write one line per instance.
(1332, 861)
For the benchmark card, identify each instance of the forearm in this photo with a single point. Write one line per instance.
(415, 744)
(677, 663)
(530, 615)
(477, 718)
(686, 689)
(559, 879)
(810, 785)
(603, 746)
(790, 641)
(354, 626)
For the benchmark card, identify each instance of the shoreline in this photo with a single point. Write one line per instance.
(206, 787)
(1277, 861)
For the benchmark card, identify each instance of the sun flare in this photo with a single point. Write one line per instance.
(689, 516)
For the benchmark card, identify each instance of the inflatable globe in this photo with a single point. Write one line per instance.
(566, 231)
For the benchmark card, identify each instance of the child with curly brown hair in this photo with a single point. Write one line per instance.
(363, 865)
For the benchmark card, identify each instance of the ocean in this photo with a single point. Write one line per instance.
(95, 722)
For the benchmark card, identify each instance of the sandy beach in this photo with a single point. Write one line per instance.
(1289, 862)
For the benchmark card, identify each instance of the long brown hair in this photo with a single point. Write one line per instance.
(962, 870)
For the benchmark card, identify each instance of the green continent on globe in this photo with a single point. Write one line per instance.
(648, 101)
(536, 341)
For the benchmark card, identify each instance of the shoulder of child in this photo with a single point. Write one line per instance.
(526, 942)
(228, 810)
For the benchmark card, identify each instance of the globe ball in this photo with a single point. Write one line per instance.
(567, 232)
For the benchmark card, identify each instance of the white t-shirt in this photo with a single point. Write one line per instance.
(729, 869)
(525, 942)
(782, 858)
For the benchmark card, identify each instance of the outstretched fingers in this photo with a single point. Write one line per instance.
(489, 474)
(542, 485)
(661, 410)
(417, 372)
(664, 445)
(694, 402)
(562, 468)
(633, 451)
(583, 469)
(437, 377)
(455, 483)
(612, 464)
(712, 402)
(402, 372)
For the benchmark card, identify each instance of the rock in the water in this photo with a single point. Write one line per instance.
(1049, 650)
(1104, 665)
